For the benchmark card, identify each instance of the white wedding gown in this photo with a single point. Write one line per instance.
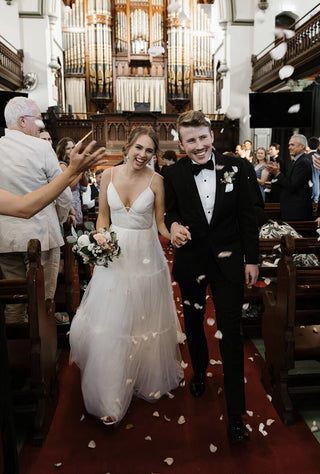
(124, 334)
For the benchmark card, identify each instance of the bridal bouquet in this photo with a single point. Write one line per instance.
(95, 247)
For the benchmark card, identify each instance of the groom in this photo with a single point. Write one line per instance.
(212, 223)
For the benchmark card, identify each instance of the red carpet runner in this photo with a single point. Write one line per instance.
(143, 441)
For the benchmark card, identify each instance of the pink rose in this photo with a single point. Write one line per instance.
(100, 239)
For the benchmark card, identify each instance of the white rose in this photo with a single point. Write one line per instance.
(83, 241)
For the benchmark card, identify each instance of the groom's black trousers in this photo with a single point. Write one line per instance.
(228, 300)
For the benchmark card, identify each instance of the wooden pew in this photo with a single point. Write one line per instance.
(32, 345)
(290, 319)
(67, 296)
(272, 210)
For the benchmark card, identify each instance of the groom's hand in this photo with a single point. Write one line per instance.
(251, 274)
(179, 234)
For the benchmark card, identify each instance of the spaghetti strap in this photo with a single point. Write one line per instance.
(151, 179)
(111, 175)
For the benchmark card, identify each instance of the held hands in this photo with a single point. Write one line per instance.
(273, 168)
(179, 234)
(80, 162)
(251, 273)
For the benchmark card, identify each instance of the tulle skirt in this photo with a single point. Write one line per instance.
(124, 334)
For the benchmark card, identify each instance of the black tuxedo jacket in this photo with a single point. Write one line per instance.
(232, 228)
(94, 191)
(295, 196)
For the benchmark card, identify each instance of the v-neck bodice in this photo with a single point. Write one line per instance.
(138, 216)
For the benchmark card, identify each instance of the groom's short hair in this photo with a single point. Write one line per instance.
(193, 118)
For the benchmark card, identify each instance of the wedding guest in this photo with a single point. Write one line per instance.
(64, 149)
(249, 151)
(210, 215)
(27, 164)
(314, 145)
(240, 150)
(259, 163)
(170, 158)
(91, 195)
(295, 195)
(274, 194)
(29, 204)
(124, 334)
(45, 135)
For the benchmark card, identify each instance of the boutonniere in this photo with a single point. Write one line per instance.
(229, 176)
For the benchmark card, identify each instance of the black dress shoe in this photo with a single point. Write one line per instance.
(236, 430)
(197, 384)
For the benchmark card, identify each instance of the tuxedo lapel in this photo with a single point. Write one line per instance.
(220, 187)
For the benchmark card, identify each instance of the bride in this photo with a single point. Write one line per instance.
(124, 335)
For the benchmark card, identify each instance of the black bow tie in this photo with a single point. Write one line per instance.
(195, 168)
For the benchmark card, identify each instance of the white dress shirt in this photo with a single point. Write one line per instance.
(206, 184)
(27, 163)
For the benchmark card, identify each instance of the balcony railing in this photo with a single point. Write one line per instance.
(303, 52)
(11, 66)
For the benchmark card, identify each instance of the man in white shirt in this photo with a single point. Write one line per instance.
(89, 196)
(28, 163)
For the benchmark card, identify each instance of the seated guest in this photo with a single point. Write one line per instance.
(92, 193)
(170, 158)
(259, 162)
(27, 164)
(64, 149)
(295, 194)
(313, 143)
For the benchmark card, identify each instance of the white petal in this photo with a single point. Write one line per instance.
(197, 306)
(294, 109)
(200, 277)
(315, 330)
(250, 358)
(170, 395)
(157, 394)
(245, 306)
(92, 444)
(221, 417)
(166, 418)
(269, 398)
(175, 135)
(248, 427)
(210, 321)
(183, 383)
(169, 461)
(279, 51)
(260, 17)
(269, 421)
(148, 438)
(222, 130)
(249, 413)
(174, 283)
(224, 254)
(184, 365)
(128, 381)
(187, 303)
(233, 112)
(58, 464)
(235, 169)
(181, 420)
(212, 448)
(144, 337)
(245, 379)
(219, 167)
(286, 71)
(210, 375)
(289, 33)
(155, 414)
(151, 394)
(215, 362)
(310, 183)
(118, 402)
(261, 429)
(267, 281)
(314, 428)
(82, 417)
(220, 390)
(145, 261)
(218, 335)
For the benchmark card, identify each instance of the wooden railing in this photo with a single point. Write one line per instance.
(113, 130)
(11, 66)
(303, 51)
